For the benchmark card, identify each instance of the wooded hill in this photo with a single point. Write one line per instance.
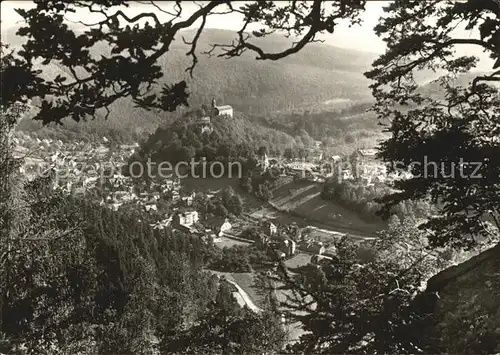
(319, 78)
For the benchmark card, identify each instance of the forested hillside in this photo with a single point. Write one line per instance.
(98, 281)
(328, 123)
(320, 90)
(230, 138)
(319, 78)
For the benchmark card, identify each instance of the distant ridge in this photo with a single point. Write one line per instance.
(318, 73)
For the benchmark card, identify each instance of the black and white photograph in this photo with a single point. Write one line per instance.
(249, 177)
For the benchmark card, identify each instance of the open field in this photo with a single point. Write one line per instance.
(298, 260)
(303, 198)
(216, 186)
(297, 202)
(209, 185)
(223, 242)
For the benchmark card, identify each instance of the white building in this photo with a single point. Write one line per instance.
(226, 226)
(367, 154)
(222, 110)
(225, 110)
(187, 219)
(270, 228)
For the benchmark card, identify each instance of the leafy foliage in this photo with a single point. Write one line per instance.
(228, 329)
(231, 140)
(361, 301)
(130, 67)
(84, 277)
(363, 199)
(457, 132)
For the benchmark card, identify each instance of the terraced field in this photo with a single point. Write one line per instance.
(303, 199)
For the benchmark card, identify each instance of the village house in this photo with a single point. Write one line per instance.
(187, 200)
(366, 155)
(218, 225)
(280, 254)
(167, 185)
(204, 120)
(175, 196)
(317, 156)
(130, 148)
(293, 231)
(336, 158)
(288, 247)
(186, 219)
(20, 152)
(150, 207)
(330, 251)
(346, 174)
(115, 206)
(80, 191)
(162, 224)
(205, 125)
(263, 162)
(366, 180)
(208, 235)
(379, 179)
(270, 228)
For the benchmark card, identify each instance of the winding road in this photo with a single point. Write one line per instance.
(244, 299)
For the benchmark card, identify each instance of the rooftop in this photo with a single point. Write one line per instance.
(224, 107)
(368, 152)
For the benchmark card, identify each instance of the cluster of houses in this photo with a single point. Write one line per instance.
(92, 168)
(368, 169)
(189, 221)
(288, 240)
(78, 165)
(95, 169)
(82, 168)
(319, 167)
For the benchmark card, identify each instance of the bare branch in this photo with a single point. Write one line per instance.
(123, 74)
(491, 78)
(151, 2)
(193, 43)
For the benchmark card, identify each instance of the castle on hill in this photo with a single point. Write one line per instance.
(205, 121)
(224, 110)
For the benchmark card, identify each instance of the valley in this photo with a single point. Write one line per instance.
(303, 206)
(218, 178)
(81, 172)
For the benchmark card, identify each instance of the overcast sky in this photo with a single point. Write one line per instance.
(359, 37)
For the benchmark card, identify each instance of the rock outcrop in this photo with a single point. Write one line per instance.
(462, 307)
